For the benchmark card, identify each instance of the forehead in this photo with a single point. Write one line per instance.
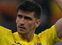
(25, 13)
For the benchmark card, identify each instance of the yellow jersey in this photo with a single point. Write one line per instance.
(6, 37)
(49, 36)
(20, 41)
(9, 38)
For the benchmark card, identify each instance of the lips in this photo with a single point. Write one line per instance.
(21, 27)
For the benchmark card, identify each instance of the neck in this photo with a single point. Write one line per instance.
(27, 36)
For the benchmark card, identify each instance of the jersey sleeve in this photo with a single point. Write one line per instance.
(48, 36)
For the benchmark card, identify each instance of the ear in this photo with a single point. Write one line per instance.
(37, 22)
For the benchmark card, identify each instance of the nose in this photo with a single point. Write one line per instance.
(22, 21)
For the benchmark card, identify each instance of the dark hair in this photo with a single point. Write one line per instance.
(30, 6)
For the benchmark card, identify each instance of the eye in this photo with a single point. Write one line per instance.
(28, 18)
(19, 16)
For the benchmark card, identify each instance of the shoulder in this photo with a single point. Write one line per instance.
(6, 36)
(3, 29)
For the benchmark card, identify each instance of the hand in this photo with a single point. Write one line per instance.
(59, 27)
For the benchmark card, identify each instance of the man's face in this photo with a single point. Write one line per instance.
(26, 21)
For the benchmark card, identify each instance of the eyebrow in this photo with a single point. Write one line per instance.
(26, 17)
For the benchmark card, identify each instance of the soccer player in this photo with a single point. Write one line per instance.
(27, 20)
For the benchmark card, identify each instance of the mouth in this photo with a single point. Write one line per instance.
(21, 27)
